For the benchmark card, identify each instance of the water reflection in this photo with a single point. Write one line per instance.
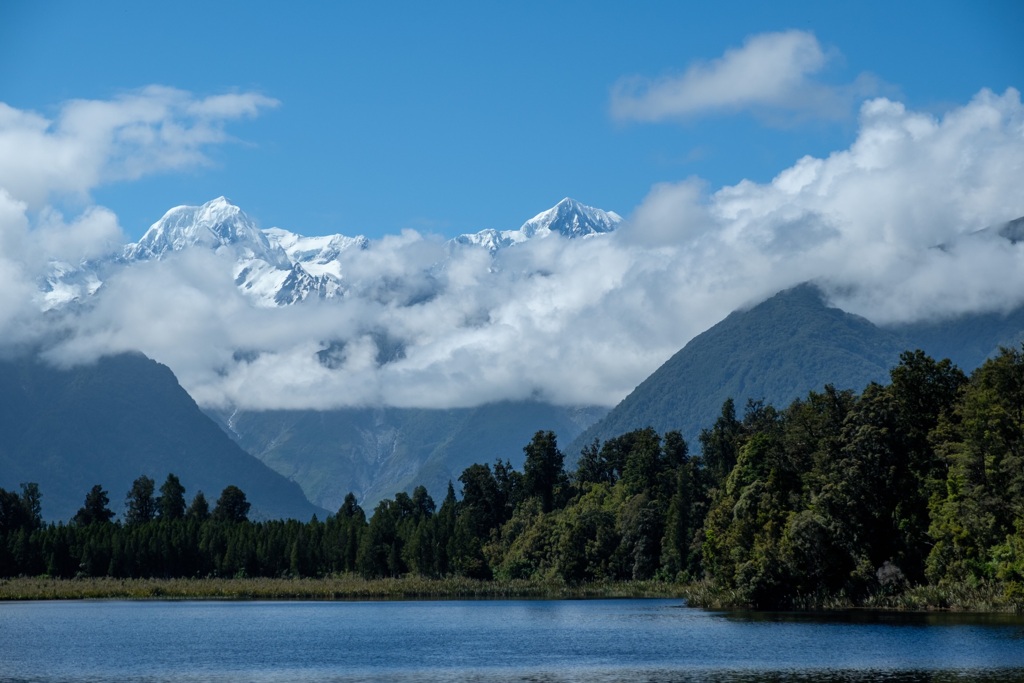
(497, 641)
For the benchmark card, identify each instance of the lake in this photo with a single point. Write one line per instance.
(515, 640)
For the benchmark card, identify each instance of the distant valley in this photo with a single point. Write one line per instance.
(376, 452)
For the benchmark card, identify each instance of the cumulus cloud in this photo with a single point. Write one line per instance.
(16, 288)
(771, 72)
(92, 142)
(889, 226)
(86, 144)
(868, 219)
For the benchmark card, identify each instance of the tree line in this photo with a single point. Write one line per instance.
(919, 481)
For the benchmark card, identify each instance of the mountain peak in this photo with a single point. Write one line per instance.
(221, 205)
(571, 219)
(218, 224)
(265, 260)
(568, 218)
(777, 350)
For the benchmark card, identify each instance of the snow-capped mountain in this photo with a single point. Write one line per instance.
(318, 255)
(217, 225)
(276, 267)
(567, 218)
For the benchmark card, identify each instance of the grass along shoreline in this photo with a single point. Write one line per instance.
(344, 587)
(985, 598)
(989, 598)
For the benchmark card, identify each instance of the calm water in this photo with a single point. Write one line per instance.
(600, 640)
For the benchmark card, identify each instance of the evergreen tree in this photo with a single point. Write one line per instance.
(444, 533)
(199, 509)
(380, 553)
(720, 445)
(31, 503)
(95, 510)
(687, 507)
(481, 505)
(231, 506)
(543, 473)
(423, 504)
(509, 485)
(20, 512)
(171, 502)
(351, 524)
(140, 507)
(644, 463)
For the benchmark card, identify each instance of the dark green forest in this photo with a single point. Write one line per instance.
(839, 495)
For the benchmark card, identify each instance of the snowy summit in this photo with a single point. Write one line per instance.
(275, 267)
(217, 225)
(567, 218)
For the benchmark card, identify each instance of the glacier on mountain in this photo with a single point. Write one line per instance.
(275, 267)
(217, 225)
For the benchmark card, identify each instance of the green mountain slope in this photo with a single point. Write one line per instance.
(111, 422)
(776, 351)
(375, 453)
(968, 340)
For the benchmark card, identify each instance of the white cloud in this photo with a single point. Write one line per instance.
(88, 143)
(866, 219)
(92, 142)
(672, 213)
(579, 321)
(16, 288)
(771, 72)
(93, 233)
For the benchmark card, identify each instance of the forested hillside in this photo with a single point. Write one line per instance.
(786, 346)
(775, 352)
(836, 498)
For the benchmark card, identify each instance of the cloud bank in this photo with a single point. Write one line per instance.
(887, 226)
(771, 72)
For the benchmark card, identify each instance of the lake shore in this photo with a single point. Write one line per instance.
(990, 599)
(344, 587)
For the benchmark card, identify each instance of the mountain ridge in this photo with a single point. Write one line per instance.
(276, 267)
(774, 351)
(568, 218)
(782, 348)
(115, 420)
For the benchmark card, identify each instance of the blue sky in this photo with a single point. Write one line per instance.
(453, 117)
(750, 146)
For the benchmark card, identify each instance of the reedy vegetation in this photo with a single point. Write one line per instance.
(338, 587)
(908, 495)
